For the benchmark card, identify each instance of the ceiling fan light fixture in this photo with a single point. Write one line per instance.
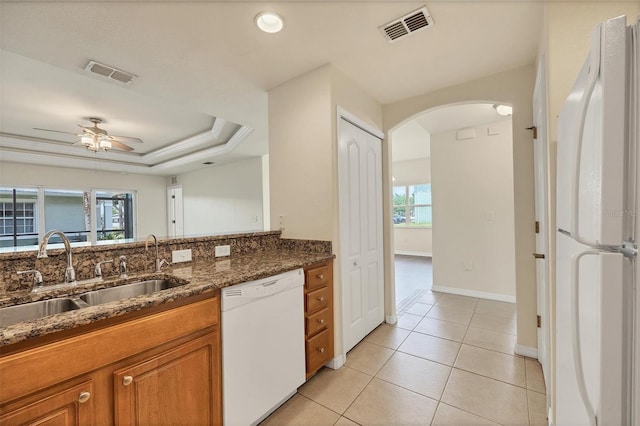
(269, 22)
(87, 140)
(105, 144)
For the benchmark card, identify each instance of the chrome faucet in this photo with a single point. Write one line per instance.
(159, 262)
(37, 278)
(97, 272)
(123, 266)
(70, 273)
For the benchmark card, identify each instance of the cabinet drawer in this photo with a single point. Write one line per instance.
(317, 299)
(318, 277)
(318, 350)
(317, 321)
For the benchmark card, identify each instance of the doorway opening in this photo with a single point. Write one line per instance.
(453, 211)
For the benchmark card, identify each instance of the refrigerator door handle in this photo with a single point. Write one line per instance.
(594, 73)
(575, 324)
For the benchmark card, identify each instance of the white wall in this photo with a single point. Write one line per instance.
(151, 192)
(223, 199)
(301, 181)
(303, 156)
(410, 141)
(411, 240)
(473, 242)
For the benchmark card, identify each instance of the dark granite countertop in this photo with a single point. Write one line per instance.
(198, 278)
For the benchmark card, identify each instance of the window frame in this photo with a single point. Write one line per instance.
(407, 206)
(39, 217)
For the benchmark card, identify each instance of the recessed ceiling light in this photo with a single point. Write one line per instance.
(269, 22)
(505, 110)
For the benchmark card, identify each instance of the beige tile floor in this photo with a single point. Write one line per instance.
(446, 362)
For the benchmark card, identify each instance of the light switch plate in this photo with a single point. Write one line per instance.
(222, 251)
(178, 256)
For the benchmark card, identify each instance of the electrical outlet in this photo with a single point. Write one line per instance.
(222, 251)
(178, 256)
(467, 265)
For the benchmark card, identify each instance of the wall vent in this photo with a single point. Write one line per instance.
(410, 23)
(109, 72)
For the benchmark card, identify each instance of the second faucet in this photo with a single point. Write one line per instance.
(159, 262)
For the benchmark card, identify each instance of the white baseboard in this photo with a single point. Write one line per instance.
(413, 253)
(527, 351)
(336, 362)
(391, 319)
(474, 293)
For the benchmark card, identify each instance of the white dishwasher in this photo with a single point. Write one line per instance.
(263, 360)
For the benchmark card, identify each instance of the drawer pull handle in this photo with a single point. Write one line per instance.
(321, 299)
(320, 276)
(126, 380)
(84, 397)
(321, 320)
(321, 350)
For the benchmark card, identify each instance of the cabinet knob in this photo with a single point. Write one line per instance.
(321, 320)
(320, 276)
(84, 397)
(321, 299)
(126, 380)
(321, 350)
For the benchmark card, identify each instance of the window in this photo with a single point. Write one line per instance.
(18, 217)
(412, 205)
(26, 214)
(113, 213)
(64, 210)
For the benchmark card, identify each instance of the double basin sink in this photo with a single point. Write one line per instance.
(34, 310)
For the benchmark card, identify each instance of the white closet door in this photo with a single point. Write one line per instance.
(361, 250)
(175, 214)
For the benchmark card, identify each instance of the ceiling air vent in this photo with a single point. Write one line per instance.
(410, 23)
(109, 72)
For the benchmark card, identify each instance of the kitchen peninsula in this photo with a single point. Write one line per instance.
(107, 362)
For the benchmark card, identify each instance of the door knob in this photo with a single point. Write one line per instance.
(84, 397)
(126, 380)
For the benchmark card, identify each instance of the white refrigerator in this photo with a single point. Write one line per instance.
(597, 187)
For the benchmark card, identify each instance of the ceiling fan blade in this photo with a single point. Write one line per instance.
(118, 145)
(86, 129)
(56, 131)
(126, 139)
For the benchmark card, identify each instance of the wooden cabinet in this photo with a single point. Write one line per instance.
(160, 366)
(176, 387)
(67, 405)
(318, 306)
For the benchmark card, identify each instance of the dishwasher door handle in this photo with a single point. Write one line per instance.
(267, 284)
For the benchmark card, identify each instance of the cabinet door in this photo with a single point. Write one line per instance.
(66, 405)
(181, 386)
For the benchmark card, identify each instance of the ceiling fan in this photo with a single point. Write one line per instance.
(96, 139)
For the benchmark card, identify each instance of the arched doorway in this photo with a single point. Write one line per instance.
(473, 249)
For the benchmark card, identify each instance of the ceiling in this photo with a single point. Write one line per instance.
(203, 69)
(452, 117)
(412, 140)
